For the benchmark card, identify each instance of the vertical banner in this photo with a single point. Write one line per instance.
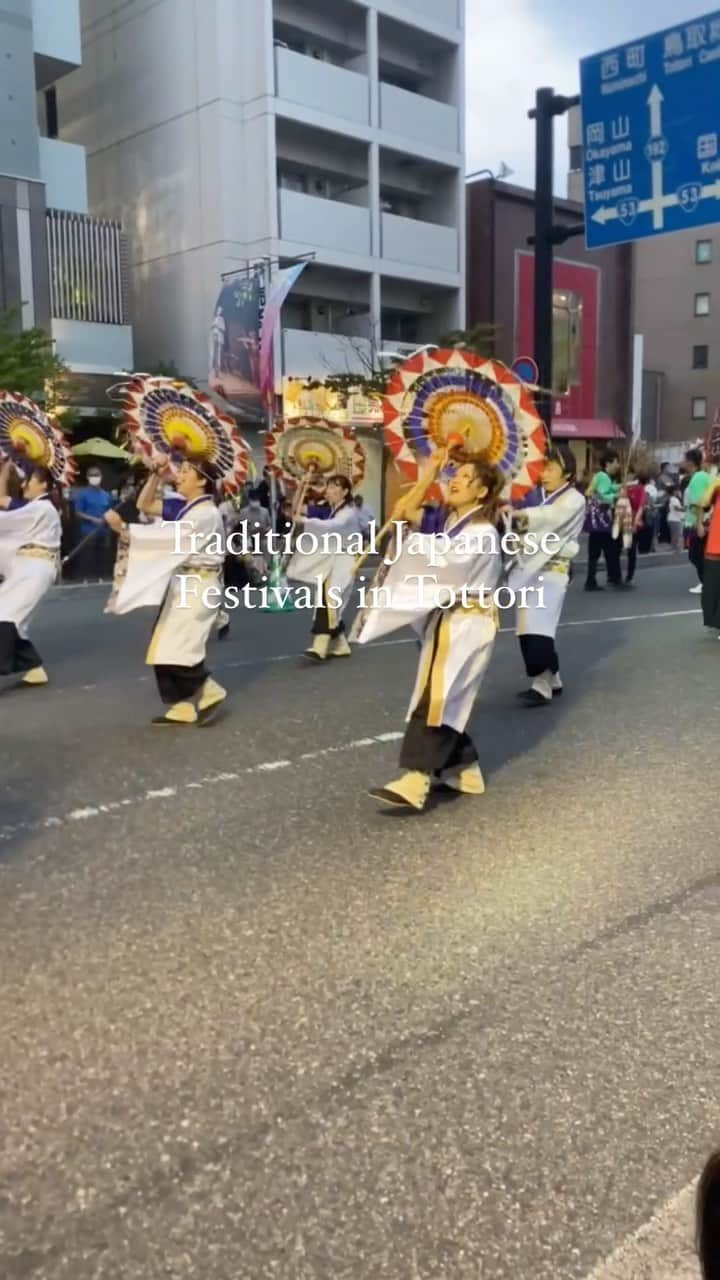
(281, 284)
(235, 337)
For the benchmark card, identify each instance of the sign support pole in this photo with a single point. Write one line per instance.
(548, 104)
(543, 309)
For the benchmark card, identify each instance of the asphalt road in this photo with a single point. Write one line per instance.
(254, 1028)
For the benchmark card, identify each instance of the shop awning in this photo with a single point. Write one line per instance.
(587, 429)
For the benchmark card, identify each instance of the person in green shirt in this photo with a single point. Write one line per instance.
(694, 494)
(602, 494)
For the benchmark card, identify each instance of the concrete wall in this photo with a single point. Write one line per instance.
(309, 354)
(666, 280)
(19, 155)
(93, 348)
(57, 31)
(64, 171)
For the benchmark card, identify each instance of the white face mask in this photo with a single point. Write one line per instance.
(95, 480)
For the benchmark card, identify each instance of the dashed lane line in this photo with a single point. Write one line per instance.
(157, 794)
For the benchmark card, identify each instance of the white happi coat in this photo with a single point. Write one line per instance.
(561, 513)
(159, 557)
(457, 642)
(333, 568)
(29, 552)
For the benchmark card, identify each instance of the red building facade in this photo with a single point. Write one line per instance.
(592, 344)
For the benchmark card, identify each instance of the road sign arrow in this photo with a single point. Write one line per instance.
(655, 101)
(712, 190)
(604, 215)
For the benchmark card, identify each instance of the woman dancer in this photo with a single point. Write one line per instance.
(334, 566)
(30, 534)
(562, 513)
(456, 642)
(177, 563)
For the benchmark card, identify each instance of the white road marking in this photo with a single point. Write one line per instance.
(663, 1249)
(89, 812)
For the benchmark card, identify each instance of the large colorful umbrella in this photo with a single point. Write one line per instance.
(437, 395)
(296, 446)
(32, 439)
(168, 417)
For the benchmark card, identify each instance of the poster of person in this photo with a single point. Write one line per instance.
(235, 342)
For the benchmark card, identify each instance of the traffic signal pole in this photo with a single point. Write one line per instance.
(548, 104)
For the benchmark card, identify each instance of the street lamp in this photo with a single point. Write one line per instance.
(503, 172)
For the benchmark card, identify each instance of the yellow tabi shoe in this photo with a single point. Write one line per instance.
(409, 792)
(468, 780)
(319, 649)
(339, 647)
(212, 696)
(181, 713)
(38, 676)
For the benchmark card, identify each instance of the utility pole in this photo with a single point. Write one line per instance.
(548, 104)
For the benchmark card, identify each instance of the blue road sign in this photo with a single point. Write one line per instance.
(651, 134)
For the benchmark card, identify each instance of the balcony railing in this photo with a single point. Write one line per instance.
(88, 268)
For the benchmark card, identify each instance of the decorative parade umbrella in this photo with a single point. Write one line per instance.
(169, 417)
(32, 439)
(442, 396)
(297, 445)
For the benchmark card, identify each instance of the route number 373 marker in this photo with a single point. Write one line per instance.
(651, 134)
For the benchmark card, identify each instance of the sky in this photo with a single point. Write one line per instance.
(517, 46)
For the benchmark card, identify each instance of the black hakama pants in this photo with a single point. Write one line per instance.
(17, 655)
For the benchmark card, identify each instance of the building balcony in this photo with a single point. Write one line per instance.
(88, 293)
(322, 86)
(446, 13)
(318, 223)
(56, 39)
(420, 244)
(410, 115)
(63, 169)
(307, 354)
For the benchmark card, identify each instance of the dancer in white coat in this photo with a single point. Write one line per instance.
(30, 535)
(176, 562)
(546, 572)
(331, 564)
(457, 641)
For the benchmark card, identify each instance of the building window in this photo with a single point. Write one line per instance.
(700, 357)
(699, 408)
(576, 158)
(703, 251)
(51, 112)
(702, 304)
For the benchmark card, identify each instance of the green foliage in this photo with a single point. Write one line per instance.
(480, 339)
(28, 363)
(373, 383)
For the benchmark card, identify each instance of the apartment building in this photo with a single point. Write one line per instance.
(60, 269)
(223, 131)
(675, 305)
